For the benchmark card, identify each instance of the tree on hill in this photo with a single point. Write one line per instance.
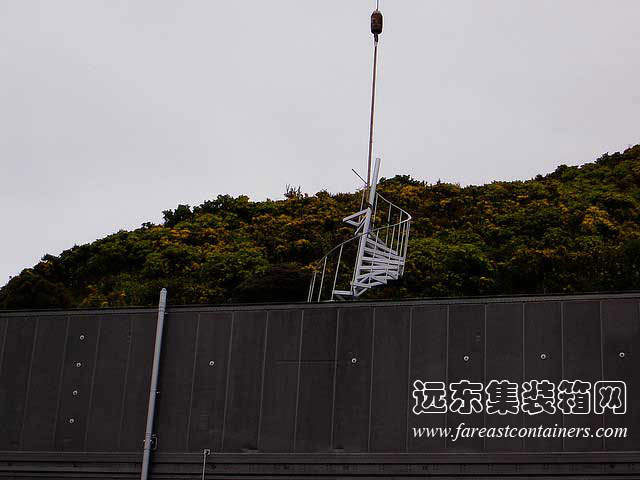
(574, 230)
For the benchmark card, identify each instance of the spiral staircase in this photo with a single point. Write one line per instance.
(374, 255)
(378, 250)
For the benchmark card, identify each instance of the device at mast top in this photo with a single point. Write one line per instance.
(376, 23)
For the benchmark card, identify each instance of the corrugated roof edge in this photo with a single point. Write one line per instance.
(349, 304)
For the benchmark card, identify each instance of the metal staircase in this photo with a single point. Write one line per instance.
(379, 249)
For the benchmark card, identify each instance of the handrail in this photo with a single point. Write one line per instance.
(358, 236)
(376, 261)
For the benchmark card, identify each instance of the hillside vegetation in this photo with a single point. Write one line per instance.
(574, 230)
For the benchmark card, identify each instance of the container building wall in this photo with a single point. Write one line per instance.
(292, 390)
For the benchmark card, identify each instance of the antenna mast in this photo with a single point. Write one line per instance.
(376, 29)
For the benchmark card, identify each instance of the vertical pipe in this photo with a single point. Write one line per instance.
(205, 453)
(373, 103)
(372, 191)
(153, 389)
(366, 225)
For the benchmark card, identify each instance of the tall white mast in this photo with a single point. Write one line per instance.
(382, 229)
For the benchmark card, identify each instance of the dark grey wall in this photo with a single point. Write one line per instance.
(331, 378)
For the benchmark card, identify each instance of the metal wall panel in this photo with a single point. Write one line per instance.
(582, 360)
(280, 381)
(137, 381)
(332, 381)
(244, 382)
(620, 345)
(105, 408)
(504, 347)
(543, 361)
(352, 380)
(76, 386)
(15, 371)
(46, 365)
(389, 380)
(315, 389)
(176, 365)
(209, 381)
(466, 363)
(429, 343)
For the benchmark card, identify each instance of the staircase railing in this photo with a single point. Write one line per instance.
(372, 257)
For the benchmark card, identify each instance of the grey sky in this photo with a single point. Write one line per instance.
(113, 111)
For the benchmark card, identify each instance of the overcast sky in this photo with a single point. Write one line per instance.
(113, 111)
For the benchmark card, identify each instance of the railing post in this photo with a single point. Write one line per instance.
(324, 267)
(400, 234)
(335, 278)
(386, 233)
(311, 286)
(406, 245)
(366, 226)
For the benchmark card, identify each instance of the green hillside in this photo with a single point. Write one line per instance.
(574, 230)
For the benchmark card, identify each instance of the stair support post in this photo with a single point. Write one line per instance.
(366, 223)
